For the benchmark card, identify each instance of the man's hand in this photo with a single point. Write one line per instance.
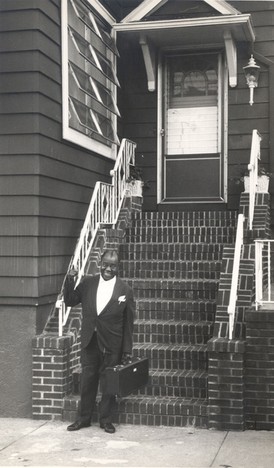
(126, 358)
(72, 273)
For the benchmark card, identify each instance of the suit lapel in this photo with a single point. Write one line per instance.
(117, 290)
(93, 293)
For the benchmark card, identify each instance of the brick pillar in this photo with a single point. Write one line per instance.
(259, 376)
(226, 384)
(51, 375)
(261, 219)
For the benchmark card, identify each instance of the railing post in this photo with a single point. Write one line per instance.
(253, 173)
(263, 267)
(269, 270)
(235, 274)
(59, 306)
(258, 272)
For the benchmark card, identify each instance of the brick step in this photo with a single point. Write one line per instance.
(171, 332)
(182, 384)
(166, 411)
(186, 215)
(157, 309)
(173, 289)
(173, 356)
(162, 252)
(176, 310)
(178, 222)
(172, 383)
(171, 269)
(186, 239)
(176, 275)
(174, 231)
(174, 265)
(188, 316)
(150, 411)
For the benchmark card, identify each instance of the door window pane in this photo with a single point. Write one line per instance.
(191, 118)
(192, 80)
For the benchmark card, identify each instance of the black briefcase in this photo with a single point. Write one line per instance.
(122, 380)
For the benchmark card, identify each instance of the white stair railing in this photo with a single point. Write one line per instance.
(264, 291)
(235, 274)
(104, 208)
(255, 155)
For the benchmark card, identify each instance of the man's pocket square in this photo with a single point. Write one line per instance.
(121, 299)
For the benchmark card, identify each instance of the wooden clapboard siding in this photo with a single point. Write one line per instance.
(32, 225)
(45, 182)
(25, 103)
(139, 115)
(30, 264)
(35, 246)
(243, 118)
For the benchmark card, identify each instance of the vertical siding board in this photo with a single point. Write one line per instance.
(139, 113)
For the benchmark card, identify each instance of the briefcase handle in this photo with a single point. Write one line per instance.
(119, 366)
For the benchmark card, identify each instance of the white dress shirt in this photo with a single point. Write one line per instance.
(104, 293)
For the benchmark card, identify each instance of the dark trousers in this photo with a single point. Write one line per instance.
(94, 362)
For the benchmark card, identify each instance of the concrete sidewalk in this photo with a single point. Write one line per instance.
(26, 442)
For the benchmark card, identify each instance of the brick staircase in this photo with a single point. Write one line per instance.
(173, 262)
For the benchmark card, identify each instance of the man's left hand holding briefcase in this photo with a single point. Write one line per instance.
(127, 378)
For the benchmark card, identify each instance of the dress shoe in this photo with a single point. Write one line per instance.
(78, 425)
(108, 427)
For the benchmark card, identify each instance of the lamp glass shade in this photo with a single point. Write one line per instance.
(252, 71)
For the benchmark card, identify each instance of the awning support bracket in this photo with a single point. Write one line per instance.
(231, 56)
(149, 54)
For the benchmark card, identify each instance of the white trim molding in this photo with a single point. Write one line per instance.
(222, 7)
(147, 7)
(231, 57)
(243, 21)
(90, 104)
(103, 12)
(149, 52)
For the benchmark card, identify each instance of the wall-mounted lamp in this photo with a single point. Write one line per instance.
(252, 71)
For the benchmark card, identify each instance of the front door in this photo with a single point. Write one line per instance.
(192, 157)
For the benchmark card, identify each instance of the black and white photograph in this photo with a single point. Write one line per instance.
(137, 233)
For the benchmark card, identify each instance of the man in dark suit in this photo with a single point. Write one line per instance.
(106, 334)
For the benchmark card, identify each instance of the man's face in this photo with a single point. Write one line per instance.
(109, 266)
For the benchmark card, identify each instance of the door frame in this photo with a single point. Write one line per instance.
(222, 131)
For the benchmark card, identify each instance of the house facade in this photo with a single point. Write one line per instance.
(78, 76)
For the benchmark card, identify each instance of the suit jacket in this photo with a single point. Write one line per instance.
(114, 325)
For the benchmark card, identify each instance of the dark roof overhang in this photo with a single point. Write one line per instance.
(225, 30)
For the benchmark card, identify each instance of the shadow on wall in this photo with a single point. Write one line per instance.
(16, 332)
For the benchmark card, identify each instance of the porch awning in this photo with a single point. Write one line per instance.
(213, 31)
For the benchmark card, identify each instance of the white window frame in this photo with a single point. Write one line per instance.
(69, 133)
